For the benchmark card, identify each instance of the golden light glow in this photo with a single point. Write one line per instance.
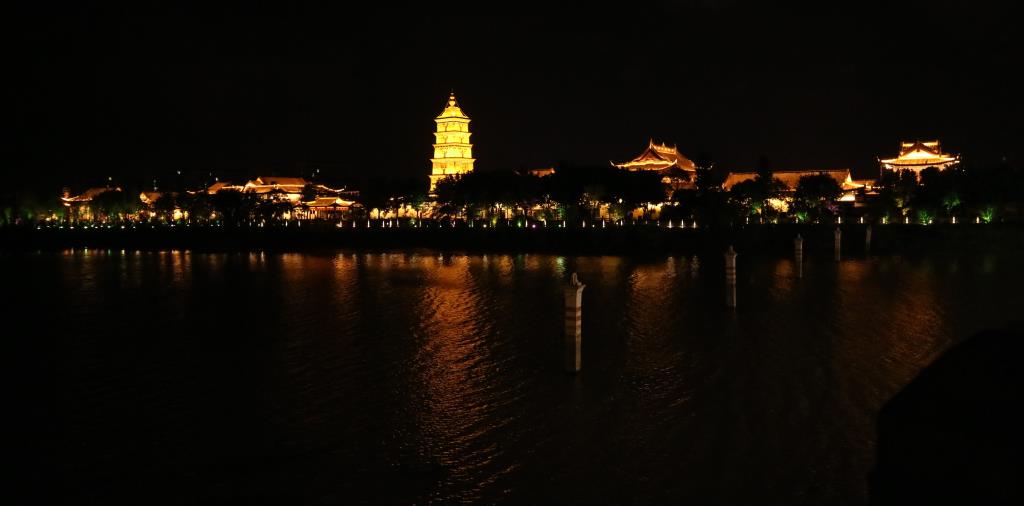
(453, 153)
(780, 205)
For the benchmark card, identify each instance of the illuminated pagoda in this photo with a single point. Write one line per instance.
(676, 170)
(453, 153)
(918, 155)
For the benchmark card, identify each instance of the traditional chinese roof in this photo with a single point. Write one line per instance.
(918, 155)
(278, 181)
(658, 157)
(268, 184)
(329, 202)
(292, 186)
(791, 178)
(221, 185)
(89, 194)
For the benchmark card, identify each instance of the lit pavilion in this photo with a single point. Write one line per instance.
(453, 153)
(918, 155)
(676, 170)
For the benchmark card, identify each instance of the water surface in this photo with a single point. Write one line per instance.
(178, 377)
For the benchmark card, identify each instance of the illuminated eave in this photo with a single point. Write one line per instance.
(919, 162)
(652, 165)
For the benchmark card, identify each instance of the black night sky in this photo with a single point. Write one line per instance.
(146, 90)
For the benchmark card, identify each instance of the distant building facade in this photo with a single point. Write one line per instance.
(791, 179)
(327, 203)
(453, 153)
(290, 188)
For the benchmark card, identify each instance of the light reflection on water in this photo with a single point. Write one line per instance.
(415, 377)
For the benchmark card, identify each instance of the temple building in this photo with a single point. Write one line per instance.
(542, 172)
(676, 170)
(322, 208)
(78, 206)
(791, 179)
(290, 188)
(453, 153)
(918, 155)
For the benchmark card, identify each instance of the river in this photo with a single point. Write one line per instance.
(343, 377)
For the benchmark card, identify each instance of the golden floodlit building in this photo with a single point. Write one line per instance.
(453, 153)
(675, 170)
(918, 155)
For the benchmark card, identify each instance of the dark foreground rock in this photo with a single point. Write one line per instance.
(954, 434)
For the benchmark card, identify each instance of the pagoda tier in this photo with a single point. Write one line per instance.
(453, 153)
(917, 156)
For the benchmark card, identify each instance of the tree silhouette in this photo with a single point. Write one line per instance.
(817, 194)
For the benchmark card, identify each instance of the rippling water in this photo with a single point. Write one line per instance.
(178, 377)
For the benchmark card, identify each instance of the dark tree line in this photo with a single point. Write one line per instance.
(987, 193)
(570, 193)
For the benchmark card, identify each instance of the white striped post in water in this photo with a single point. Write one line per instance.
(838, 235)
(730, 277)
(867, 239)
(798, 252)
(573, 324)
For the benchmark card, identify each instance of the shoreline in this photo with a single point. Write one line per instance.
(630, 240)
